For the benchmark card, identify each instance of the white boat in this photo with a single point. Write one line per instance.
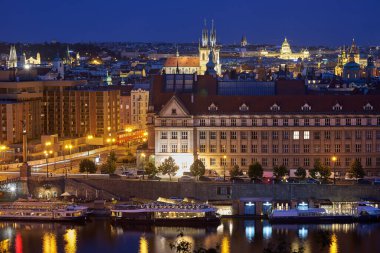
(170, 214)
(367, 212)
(42, 211)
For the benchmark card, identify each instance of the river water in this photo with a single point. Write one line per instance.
(233, 235)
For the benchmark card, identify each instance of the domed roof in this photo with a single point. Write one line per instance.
(352, 65)
(285, 43)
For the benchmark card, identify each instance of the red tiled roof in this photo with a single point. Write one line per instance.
(183, 61)
(289, 104)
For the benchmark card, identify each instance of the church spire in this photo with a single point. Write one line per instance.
(212, 35)
(12, 61)
(205, 35)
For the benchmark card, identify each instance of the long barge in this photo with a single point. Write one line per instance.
(164, 214)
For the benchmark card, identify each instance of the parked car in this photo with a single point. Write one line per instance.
(218, 179)
(364, 181)
(155, 178)
(130, 175)
(312, 181)
(186, 179)
(204, 178)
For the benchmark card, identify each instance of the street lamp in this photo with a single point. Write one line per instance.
(89, 137)
(47, 153)
(334, 158)
(2, 150)
(143, 162)
(69, 147)
(224, 171)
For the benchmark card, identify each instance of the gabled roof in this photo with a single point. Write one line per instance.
(183, 61)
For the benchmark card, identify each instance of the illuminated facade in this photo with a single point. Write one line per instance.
(139, 108)
(286, 53)
(273, 130)
(347, 55)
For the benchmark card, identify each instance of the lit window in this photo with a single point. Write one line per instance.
(296, 135)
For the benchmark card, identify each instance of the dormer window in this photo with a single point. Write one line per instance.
(213, 107)
(243, 108)
(306, 107)
(174, 111)
(368, 107)
(275, 107)
(337, 107)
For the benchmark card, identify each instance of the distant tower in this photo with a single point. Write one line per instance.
(205, 47)
(212, 35)
(211, 64)
(108, 79)
(59, 67)
(371, 68)
(38, 58)
(205, 36)
(12, 60)
(243, 42)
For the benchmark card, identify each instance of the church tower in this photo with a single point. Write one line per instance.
(203, 50)
(12, 60)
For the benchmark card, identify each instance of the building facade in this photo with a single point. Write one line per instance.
(290, 130)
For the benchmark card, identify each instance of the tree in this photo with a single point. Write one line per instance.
(150, 169)
(235, 171)
(315, 172)
(197, 168)
(356, 169)
(168, 167)
(325, 173)
(109, 166)
(280, 172)
(300, 173)
(87, 165)
(255, 170)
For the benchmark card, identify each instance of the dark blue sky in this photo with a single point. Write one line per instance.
(304, 22)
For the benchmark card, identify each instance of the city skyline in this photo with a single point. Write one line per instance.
(73, 21)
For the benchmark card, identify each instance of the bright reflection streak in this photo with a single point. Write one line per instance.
(71, 241)
(334, 244)
(302, 233)
(49, 243)
(5, 245)
(267, 231)
(143, 245)
(225, 245)
(230, 227)
(249, 229)
(18, 244)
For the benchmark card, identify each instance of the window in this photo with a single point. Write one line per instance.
(184, 135)
(254, 148)
(306, 162)
(275, 162)
(368, 148)
(347, 148)
(307, 122)
(223, 161)
(243, 122)
(243, 135)
(296, 135)
(264, 161)
(347, 135)
(212, 122)
(327, 135)
(212, 161)
(378, 121)
(233, 135)
(327, 122)
(184, 148)
(203, 160)
(358, 134)
(164, 148)
(296, 161)
(223, 135)
(264, 148)
(202, 122)
(337, 121)
(348, 161)
(233, 122)
(296, 122)
(368, 135)
(174, 135)
(317, 135)
(265, 122)
(212, 148)
(223, 122)
(358, 148)
(285, 135)
(254, 135)
(243, 108)
(202, 135)
(348, 122)
(243, 162)
(317, 122)
(202, 148)
(275, 148)
(338, 135)
(296, 148)
(306, 148)
(285, 161)
(233, 161)
(285, 148)
(377, 134)
(174, 111)
(243, 148)
(306, 135)
(213, 135)
(327, 148)
(254, 122)
(163, 122)
(264, 135)
(174, 148)
(286, 122)
(358, 121)
(368, 161)
(164, 135)
(275, 122)
(337, 148)
(275, 135)
(233, 149)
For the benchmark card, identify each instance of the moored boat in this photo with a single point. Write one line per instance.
(367, 212)
(166, 214)
(42, 211)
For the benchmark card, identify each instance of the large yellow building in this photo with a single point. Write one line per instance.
(286, 53)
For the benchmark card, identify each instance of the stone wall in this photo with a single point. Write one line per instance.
(125, 189)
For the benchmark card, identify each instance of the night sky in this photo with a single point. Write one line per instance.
(304, 22)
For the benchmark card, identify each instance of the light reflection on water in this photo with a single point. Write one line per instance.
(233, 235)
